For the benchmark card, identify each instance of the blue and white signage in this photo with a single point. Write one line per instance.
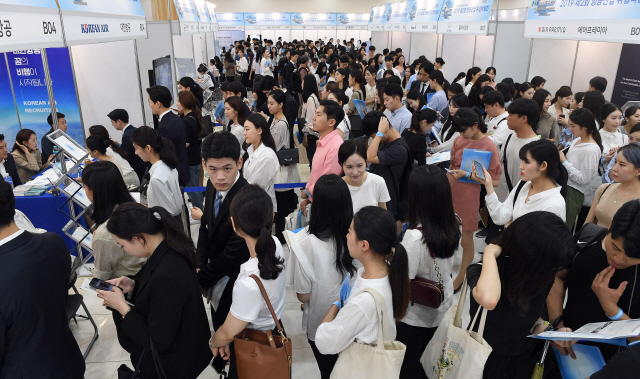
(399, 16)
(595, 20)
(465, 17)
(277, 21)
(28, 24)
(318, 21)
(212, 16)
(357, 21)
(423, 15)
(188, 16)
(230, 21)
(379, 16)
(93, 21)
(204, 24)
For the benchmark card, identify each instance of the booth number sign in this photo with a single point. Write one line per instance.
(6, 30)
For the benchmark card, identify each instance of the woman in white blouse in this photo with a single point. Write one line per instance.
(236, 113)
(366, 188)
(164, 189)
(262, 166)
(370, 87)
(311, 103)
(322, 259)
(252, 219)
(542, 185)
(114, 150)
(372, 240)
(431, 243)
(582, 160)
(266, 67)
(612, 138)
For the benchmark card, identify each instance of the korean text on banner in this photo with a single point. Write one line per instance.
(188, 16)
(465, 17)
(36, 25)
(358, 21)
(423, 15)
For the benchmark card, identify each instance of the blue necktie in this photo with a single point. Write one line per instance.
(216, 206)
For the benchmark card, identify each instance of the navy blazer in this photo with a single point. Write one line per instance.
(172, 128)
(35, 339)
(10, 166)
(417, 84)
(137, 164)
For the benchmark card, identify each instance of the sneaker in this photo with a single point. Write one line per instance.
(482, 233)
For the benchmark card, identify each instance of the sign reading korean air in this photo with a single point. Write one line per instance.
(29, 24)
(594, 20)
(423, 15)
(358, 21)
(230, 21)
(465, 17)
(313, 21)
(278, 21)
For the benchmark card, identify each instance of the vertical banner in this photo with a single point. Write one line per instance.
(387, 13)
(230, 21)
(465, 17)
(32, 98)
(9, 124)
(627, 84)
(188, 16)
(211, 7)
(378, 17)
(399, 16)
(423, 15)
(204, 25)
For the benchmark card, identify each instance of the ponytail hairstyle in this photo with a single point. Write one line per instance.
(427, 114)
(345, 81)
(131, 220)
(331, 215)
(594, 101)
(279, 96)
(252, 214)
(471, 73)
(188, 101)
(584, 118)
(545, 151)
(97, 143)
(460, 100)
(99, 130)
(145, 136)
(195, 89)
(564, 91)
(578, 96)
(260, 123)
(521, 88)
(482, 79)
(109, 189)
(378, 227)
(466, 118)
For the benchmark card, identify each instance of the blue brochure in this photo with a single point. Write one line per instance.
(468, 156)
(219, 110)
(360, 107)
(588, 361)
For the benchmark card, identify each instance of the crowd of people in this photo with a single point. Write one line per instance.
(380, 216)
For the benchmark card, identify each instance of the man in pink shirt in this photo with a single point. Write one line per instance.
(325, 161)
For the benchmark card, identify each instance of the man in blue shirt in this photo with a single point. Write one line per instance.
(398, 115)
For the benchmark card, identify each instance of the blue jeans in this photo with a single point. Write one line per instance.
(197, 198)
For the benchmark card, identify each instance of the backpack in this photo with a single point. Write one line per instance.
(587, 236)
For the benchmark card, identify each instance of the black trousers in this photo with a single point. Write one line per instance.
(287, 202)
(416, 340)
(312, 142)
(325, 362)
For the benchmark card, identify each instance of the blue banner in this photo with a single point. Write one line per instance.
(313, 20)
(230, 21)
(186, 10)
(465, 17)
(352, 20)
(423, 15)
(379, 16)
(9, 125)
(119, 7)
(267, 20)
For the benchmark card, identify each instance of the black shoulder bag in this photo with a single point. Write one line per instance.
(290, 156)
(125, 372)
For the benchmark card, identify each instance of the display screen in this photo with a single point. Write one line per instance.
(162, 73)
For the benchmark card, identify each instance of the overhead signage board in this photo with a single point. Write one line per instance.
(357, 21)
(422, 15)
(595, 20)
(387, 13)
(212, 16)
(230, 21)
(94, 21)
(465, 17)
(399, 17)
(317, 21)
(378, 17)
(204, 24)
(29, 24)
(188, 16)
(263, 21)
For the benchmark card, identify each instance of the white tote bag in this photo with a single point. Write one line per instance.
(383, 361)
(453, 352)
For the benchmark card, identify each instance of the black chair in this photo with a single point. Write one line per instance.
(74, 301)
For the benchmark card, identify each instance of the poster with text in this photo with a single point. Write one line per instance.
(9, 124)
(32, 98)
(204, 25)
(627, 84)
(188, 16)
(465, 17)
(230, 21)
(423, 15)
(378, 17)
(29, 24)
(595, 20)
(319, 21)
(276, 21)
(347, 21)
(211, 8)
(399, 16)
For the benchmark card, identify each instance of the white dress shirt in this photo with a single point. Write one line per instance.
(262, 169)
(549, 201)
(582, 164)
(164, 189)
(611, 140)
(11, 237)
(266, 67)
(497, 129)
(248, 304)
(238, 132)
(162, 115)
(3, 169)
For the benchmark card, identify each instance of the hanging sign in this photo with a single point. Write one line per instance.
(28, 24)
(93, 21)
(387, 13)
(211, 8)
(594, 20)
(317, 21)
(378, 17)
(399, 17)
(230, 21)
(188, 16)
(274, 21)
(204, 25)
(357, 21)
(423, 15)
(465, 17)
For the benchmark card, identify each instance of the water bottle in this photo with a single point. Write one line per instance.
(56, 160)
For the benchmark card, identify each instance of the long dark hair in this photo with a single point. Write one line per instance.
(345, 81)
(378, 227)
(521, 88)
(628, 113)
(260, 123)
(415, 94)
(539, 97)
(145, 136)
(238, 105)
(427, 114)
(530, 263)
(195, 89)
(133, 220)
(432, 207)
(358, 77)
(109, 190)
(472, 71)
(100, 130)
(310, 87)
(466, 118)
(460, 101)
(281, 98)
(594, 101)
(188, 101)
(331, 215)
(584, 118)
(252, 213)
(563, 91)
(96, 142)
(545, 151)
(21, 138)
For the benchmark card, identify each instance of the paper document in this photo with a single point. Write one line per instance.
(612, 332)
(85, 238)
(443, 156)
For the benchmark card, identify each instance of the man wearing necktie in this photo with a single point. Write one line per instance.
(422, 84)
(220, 250)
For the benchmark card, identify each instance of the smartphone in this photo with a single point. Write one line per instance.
(449, 171)
(479, 170)
(101, 285)
(218, 364)
(566, 150)
(561, 116)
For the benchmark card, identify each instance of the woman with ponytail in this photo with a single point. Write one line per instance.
(97, 147)
(372, 240)
(252, 219)
(164, 188)
(164, 304)
(121, 156)
(542, 185)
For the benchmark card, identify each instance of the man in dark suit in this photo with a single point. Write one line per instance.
(46, 145)
(35, 339)
(120, 121)
(170, 127)
(422, 82)
(220, 250)
(7, 164)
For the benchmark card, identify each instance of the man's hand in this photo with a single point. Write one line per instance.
(303, 206)
(383, 125)
(608, 297)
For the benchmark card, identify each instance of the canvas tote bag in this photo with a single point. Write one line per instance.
(453, 352)
(383, 361)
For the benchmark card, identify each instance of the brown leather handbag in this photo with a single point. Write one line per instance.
(427, 292)
(261, 355)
